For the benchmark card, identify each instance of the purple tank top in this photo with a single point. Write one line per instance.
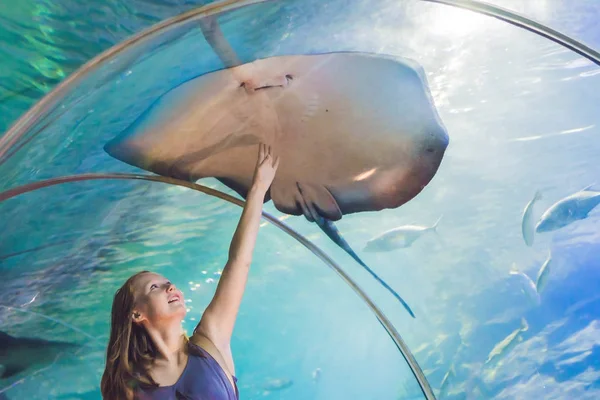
(202, 379)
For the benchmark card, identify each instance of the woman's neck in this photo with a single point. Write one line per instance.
(169, 341)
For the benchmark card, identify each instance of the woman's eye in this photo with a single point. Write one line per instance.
(154, 286)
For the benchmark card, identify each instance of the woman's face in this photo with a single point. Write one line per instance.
(157, 299)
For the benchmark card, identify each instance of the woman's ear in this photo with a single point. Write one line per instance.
(136, 316)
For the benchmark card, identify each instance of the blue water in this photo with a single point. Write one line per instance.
(521, 114)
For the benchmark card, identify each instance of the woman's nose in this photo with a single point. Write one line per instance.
(171, 287)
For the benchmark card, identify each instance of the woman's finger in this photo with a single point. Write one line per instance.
(276, 163)
(261, 152)
(266, 160)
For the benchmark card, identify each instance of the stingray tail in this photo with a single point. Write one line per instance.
(334, 234)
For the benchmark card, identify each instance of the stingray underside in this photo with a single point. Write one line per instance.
(355, 131)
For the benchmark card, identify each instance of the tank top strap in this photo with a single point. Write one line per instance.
(201, 352)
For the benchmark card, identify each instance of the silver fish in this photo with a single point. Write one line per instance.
(543, 274)
(527, 284)
(401, 237)
(568, 210)
(445, 384)
(316, 375)
(508, 343)
(527, 223)
(278, 384)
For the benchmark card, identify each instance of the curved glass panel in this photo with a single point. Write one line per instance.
(75, 244)
(576, 19)
(519, 113)
(43, 42)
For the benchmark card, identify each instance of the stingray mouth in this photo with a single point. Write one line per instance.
(275, 83)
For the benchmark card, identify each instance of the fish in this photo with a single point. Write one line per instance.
(397, 238)
(570, 209)
(355, 132)
(508, 343)
(278, 384)
(316, 375)
(444, 385)
(527, 222)
(543, 274)
(20, 354)
(527, 285)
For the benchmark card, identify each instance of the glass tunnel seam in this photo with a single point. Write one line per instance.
(32, 116)
(525, 23)
(381, 317)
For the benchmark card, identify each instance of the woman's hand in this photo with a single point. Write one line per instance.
(266, 167)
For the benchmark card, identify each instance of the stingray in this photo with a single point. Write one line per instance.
(355, 132)
(19, 354)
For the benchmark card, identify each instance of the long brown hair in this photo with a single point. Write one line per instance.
(130, 349)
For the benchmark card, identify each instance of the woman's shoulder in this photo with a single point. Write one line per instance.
(204, 344)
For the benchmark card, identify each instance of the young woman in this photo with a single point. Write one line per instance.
(148, 354)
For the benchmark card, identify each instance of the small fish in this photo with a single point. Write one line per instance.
(508, 343)
(444, 385)
(21, 354)
(527, 285)
(568, 210)
(397, 238)
(543, 274)
(527, 223)
(278, 384)
(316, 375)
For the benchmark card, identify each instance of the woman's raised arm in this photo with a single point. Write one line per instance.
(218, 320)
